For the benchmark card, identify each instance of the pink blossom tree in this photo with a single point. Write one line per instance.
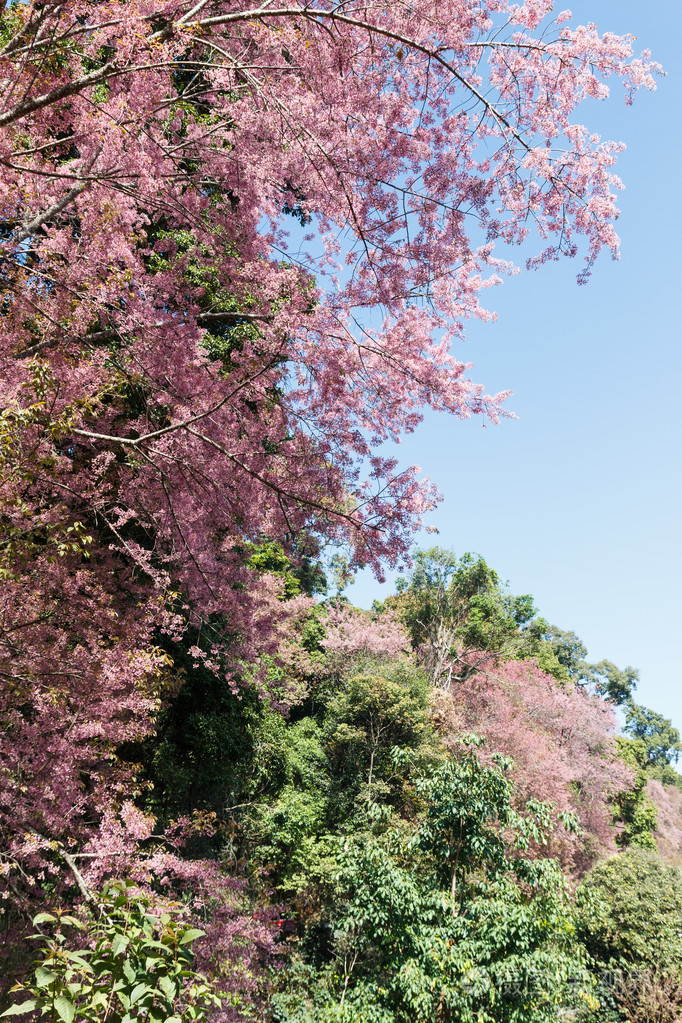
(668, 834)
(149, 152)
(562, 742)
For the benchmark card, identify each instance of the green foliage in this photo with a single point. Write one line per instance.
(634, 918)
(568, 649)
(664, 773)
(444, 920)
(263, 777)
(633, 809)
(377, 731)
(660, 737)
(289, 787)
(306, 577)
(533, 644)
(11, 20)
(132, 965)
(313, 631)
(416, 882)
(630, 922)
(562, 654)
(203, 743)
(467, 594)
(270, 557)
(469, 807)
(449, 605)
(610, 682)
(319, 776)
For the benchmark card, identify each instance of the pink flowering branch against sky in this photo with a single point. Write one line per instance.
(577, 500)
(372, 124)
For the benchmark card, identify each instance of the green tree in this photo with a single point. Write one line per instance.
(451, 604)
(611, 682)
(378, 734)
(284, 812)
(448, 921)
(632, 807)
(562, 654)
(660, 737)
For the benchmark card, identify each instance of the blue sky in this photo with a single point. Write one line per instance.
(577, 502)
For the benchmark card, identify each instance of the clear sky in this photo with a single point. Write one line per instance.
(578, 501)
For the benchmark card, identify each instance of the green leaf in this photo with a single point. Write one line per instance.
(73, 922)
(44, 918)
(168, 987)
(18, 1010)
(155, 945)
(119, 944)
(44, 977)
(138, 990)
(65, 1008)
(79, 957)
(191, 935)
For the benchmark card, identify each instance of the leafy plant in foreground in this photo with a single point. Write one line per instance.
(133, 966)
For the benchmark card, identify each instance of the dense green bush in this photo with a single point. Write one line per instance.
(631, 926)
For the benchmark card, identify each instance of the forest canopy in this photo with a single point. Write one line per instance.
(237, 244)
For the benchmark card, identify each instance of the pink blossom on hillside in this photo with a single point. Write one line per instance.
(350, 632)
(80, 677)
(668, 834)
(561, 740)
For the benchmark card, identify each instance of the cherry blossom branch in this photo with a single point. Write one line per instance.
(73, 867)
(47, 215)
(136, 442)
(318, 14)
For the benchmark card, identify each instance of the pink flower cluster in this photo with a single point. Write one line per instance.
(350, 632)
